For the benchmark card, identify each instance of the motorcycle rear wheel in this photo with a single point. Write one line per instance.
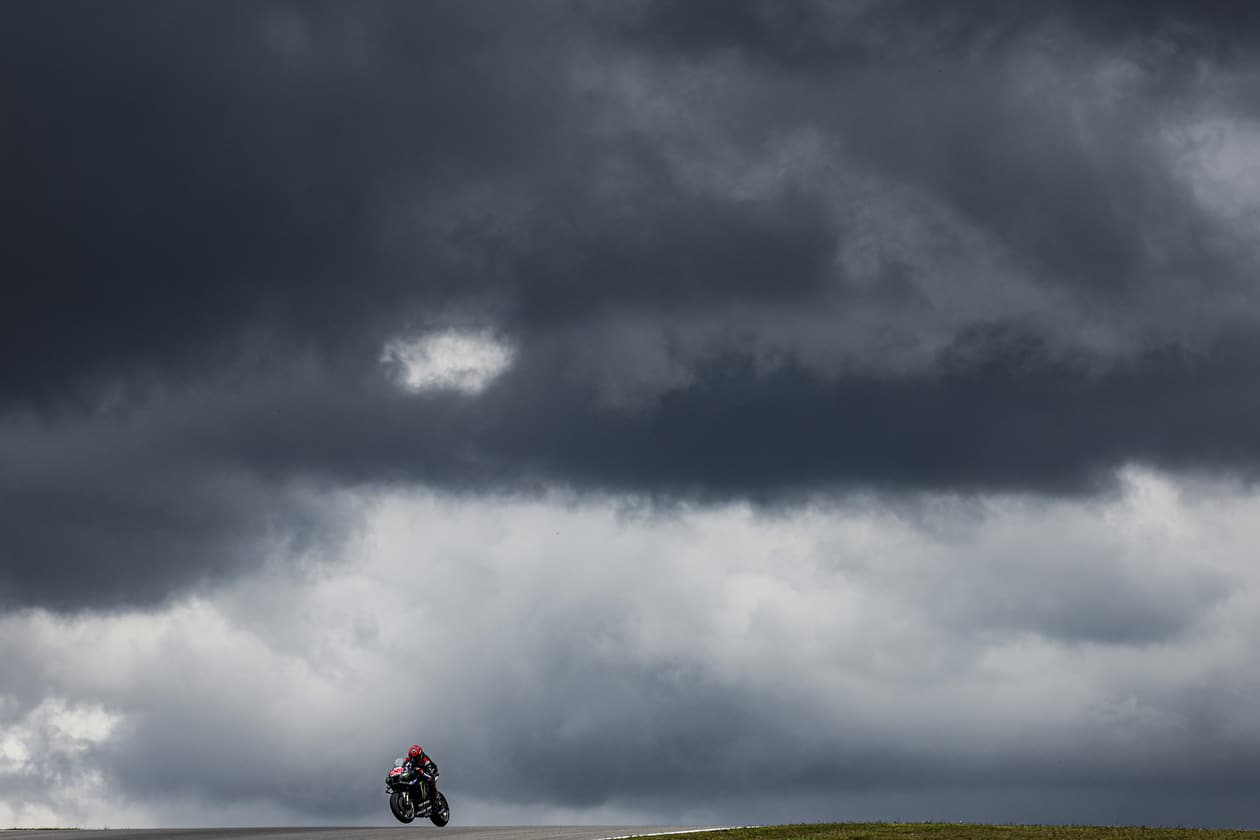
(441, 810)
(402, 806)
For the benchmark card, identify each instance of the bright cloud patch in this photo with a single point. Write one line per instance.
(54, 727)
(48, 745)
(449, 360)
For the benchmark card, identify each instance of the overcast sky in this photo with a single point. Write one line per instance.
(706, 411)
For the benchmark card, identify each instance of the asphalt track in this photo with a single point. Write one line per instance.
(399, 832)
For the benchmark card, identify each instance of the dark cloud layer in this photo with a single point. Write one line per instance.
(220, 213)
(250, 468)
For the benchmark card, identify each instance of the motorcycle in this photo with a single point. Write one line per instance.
(409, 796)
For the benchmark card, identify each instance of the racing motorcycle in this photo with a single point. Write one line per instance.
(409, 796)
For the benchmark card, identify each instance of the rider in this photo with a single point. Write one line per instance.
(419, 761)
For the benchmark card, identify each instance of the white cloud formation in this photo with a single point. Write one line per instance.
(458, 360)
(48, 744)
(875, 657)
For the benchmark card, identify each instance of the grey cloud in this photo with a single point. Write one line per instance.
(98, 510)
(1047, 572)
(822, 35)
(109, 513)
(189, 176)
(649, 685)
(348, 180)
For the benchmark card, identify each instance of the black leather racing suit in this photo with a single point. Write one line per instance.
(428, 771)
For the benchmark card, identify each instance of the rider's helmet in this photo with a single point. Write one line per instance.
(415, 751)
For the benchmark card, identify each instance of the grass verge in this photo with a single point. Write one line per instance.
(969, 831)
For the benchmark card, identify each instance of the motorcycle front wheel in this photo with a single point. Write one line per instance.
(441, 811)
(402, 806)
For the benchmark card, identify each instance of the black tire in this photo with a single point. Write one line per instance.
(402, 806)
(441, 810)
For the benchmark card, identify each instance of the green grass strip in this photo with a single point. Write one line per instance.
(969, 831)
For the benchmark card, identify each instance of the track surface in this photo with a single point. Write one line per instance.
(400, 832)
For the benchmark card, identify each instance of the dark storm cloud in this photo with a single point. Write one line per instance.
(185, 175)
(684, 222)
(826, 34)
(937, 98)
(94, 501)
(122, 524)
(997, 413)
(190, 174)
